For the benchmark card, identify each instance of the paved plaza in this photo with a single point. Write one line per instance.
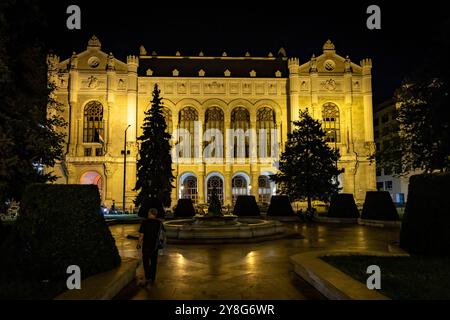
(245, 271)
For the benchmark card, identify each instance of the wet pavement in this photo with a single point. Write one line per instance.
(245, 271)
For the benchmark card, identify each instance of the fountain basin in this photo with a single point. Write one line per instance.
(221, 228)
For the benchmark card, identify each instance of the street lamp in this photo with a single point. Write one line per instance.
(124, 166)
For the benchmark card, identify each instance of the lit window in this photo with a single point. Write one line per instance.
(330, 122)
(240, 120)
(265, 124)
(93, 122)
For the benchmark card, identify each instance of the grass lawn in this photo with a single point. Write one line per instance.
(413, 277)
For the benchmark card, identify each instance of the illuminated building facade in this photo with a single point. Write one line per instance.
(102, 95)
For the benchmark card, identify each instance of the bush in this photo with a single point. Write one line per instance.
(343, 206)
(426, 222)
(184, 208)
(280, 206)
(378, 205)
(60, 225)
(151, 203)
(246, 206)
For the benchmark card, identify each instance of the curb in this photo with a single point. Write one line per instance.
(332, 282)
(335, 220)
(106, 285)
(380, 223)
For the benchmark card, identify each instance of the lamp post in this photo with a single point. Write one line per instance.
(124, 166)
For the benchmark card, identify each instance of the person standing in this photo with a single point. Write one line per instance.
(149, 241)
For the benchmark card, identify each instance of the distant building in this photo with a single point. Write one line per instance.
(385, 124)
(102, 95)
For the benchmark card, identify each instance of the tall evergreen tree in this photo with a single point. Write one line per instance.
(307, 167)
(154, 166)
(30, 119)
(422, 139)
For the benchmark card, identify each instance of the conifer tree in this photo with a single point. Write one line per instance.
(307, 167)
(154, 166)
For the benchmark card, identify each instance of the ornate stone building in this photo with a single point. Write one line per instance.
(103, 95)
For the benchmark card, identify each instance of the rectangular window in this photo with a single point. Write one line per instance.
(388, 185)
(98, 152)
(380, 186)
(87, 152)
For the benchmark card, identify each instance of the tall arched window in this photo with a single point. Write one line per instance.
(216, 183)
(239, 187)
(331, 123)
(186, 121)
(265, 124)
(93, 122)
(264, 190)
(168, 117)
(214, 119)
(189, 188)
(240, 120)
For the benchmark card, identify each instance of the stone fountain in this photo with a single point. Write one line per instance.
(215, 227)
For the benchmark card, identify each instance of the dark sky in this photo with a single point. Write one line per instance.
(301, 27)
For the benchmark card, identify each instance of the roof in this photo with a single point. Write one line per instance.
(164, 66)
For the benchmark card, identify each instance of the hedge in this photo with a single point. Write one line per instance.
(184, 208)
(426, 222)
(60, 225)
(378, 205)
(343, 206)
(280, 206)
(246, 206)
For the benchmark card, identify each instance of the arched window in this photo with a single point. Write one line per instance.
(331, 123)
(240, 123)
(186, 121)
(189, 188)
(168, 117)
(215, 182)
(264, 190)
(214, 119)
(265, 124)
(239, 187)
(93, 122)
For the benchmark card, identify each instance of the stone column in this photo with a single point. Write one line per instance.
(254, 183)
(367, 96)
(110, 97)
(228, 188)
(132, 65)
(73, 87)
(293, 65)
(201, 187)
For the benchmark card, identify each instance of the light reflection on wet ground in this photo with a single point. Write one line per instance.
(245, 271)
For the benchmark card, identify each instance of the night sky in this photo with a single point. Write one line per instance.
(301, 27)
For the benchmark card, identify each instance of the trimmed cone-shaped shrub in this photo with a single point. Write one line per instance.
(151, 203)
(426, 222)
(246, 206)
(60, 225)
(343, 206)
(280, 206)
(184, 208)
(378, 205)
